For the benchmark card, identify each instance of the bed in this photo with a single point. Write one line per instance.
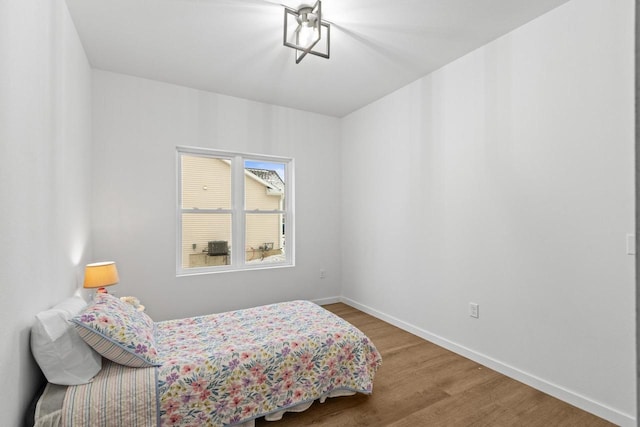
(215, 370)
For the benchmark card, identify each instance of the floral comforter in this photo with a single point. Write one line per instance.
(227, 368)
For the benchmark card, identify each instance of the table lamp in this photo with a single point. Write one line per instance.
(100, 274)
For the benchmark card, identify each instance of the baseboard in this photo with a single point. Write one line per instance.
(554, 390)
(325, 301)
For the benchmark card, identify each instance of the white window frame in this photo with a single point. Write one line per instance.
(237, 211)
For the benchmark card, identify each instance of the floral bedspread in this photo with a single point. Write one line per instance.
(227, 368)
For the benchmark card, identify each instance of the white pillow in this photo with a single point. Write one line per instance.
(63, 356)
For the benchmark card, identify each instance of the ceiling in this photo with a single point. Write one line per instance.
(234, 47)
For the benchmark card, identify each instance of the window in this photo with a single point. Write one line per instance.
(234, 211)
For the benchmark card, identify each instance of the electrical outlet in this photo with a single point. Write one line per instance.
(323, 273)
(631, 244)
(474, 310)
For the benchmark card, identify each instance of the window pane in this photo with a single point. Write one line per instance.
(206, 239)
(264, 185)
(206, 182)
(265, 238)
(231, 201)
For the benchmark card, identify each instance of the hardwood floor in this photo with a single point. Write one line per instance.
(421, 384)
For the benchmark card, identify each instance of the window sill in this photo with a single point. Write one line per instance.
(229, 269)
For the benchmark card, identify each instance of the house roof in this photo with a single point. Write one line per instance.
(271, 177)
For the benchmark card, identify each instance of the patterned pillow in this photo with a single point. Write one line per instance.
(118, 332)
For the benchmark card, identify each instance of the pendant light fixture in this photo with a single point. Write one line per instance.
(306, 32)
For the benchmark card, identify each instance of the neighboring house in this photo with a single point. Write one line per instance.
(264, 190)
(207, 185)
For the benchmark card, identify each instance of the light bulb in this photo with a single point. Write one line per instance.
(307, 36)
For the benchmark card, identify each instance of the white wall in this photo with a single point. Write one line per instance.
(45, 134)
(137, 125)
(507, 179)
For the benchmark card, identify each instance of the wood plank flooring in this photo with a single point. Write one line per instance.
(422, 384)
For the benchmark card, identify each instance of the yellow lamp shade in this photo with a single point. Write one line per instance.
(100, 274)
